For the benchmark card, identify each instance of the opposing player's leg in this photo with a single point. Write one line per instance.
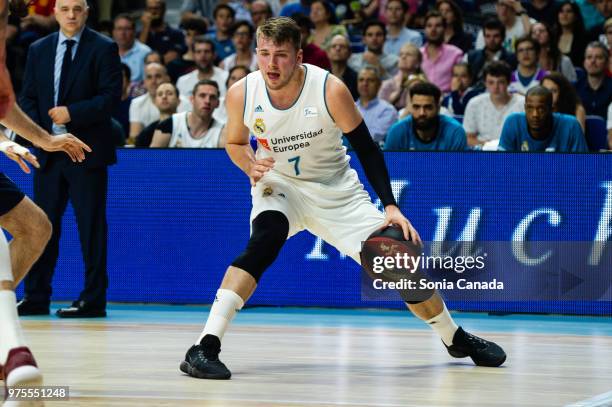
(352, 221)
(18, 367)
(269, 231)
(31, 230)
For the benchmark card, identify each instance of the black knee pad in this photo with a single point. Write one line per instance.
(270, 231)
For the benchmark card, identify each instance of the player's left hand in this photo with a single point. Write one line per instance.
(59, 115)
(19, 154)
(394, 216)
(67, 143)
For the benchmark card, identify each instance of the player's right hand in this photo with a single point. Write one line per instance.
(67, 143)
(7, 96)
(259, 168)
(19, 154)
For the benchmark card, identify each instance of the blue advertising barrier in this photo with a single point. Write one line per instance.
(177, 218)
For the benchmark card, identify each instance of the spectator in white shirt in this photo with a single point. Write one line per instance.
(485, 114)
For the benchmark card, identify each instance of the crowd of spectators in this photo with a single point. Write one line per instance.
(425, 74)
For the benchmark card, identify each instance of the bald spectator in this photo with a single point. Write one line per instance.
(339, 53)
(438, 57)
(204, 57)
(397, 33)
(379, 115)
(158, 35)
(142, 109)
(131, 51)
(374, 35)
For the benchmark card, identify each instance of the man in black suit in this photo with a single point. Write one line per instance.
(72, 83)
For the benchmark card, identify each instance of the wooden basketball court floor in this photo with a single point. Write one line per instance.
(317, 357)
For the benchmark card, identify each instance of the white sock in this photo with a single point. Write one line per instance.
(226, 304)
(444, 326)
(11, 336)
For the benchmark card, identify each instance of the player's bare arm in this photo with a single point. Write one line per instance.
(343, 110)
(21, 124)
(236, 135)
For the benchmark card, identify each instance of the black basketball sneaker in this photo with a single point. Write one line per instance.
(482, 352)
(202, 361)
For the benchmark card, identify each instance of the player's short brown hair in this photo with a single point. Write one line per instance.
(280, 30)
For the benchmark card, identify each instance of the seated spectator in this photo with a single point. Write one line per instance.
(485, 114)
(527, 74)
(425, 129)
(494, 33)
(395, 90)
(311, 54)
(339, 53)
(397, 33)
(550, 58)
(122, 110)
(595, 89)
(462, 90)
(374, 34)
(539, 129)
(193, 27)
(260, 12)
(224, 21)
(158, 35)
(39, 22)
(322, 15)
(565, 99)
(571, 32)
(378, 114)
(195, 129)
(514, 18)
(242, 38)
(131, 51)
(204, 57)
(453, 25)
(139, 88)
(166, 100)
(235, 74)
(142, 109)
(438, 57)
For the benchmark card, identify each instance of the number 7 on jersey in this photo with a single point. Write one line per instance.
(296, 159)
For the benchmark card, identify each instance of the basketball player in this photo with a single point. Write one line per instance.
(301, 179)
(26, 222)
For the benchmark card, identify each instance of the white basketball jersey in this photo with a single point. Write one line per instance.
(181, 137)
(303, 139)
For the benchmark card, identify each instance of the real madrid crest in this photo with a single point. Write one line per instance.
(259, 127)
(267, 191)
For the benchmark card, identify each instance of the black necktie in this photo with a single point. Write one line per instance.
(66, 62)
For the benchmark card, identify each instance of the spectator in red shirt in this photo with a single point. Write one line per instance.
(311, 53)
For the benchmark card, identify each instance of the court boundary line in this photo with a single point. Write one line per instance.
(601, 400)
